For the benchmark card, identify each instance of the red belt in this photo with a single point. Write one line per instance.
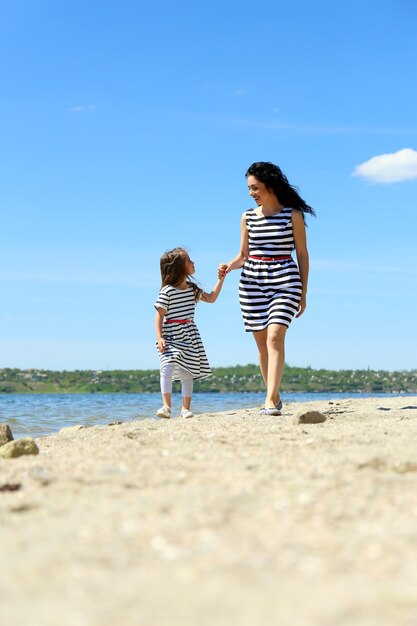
(177, 321)
(270, 258)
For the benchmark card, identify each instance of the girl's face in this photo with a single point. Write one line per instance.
(259, 192)
(189, 265)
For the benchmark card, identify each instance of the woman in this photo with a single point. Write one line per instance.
(272, 289)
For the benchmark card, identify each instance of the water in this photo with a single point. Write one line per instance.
(43, 414)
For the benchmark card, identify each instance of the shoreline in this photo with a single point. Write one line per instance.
(31, 415)
(224, 518)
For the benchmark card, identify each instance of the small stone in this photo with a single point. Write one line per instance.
(404, 467)
(5, 434)
(311, 417)
(136, 433)
(71, 429)
(10, 486)
(19, 447)
(41, 475)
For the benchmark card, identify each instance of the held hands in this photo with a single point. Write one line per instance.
(222, 270)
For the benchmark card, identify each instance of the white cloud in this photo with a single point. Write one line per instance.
(389, 168)
(86, 107)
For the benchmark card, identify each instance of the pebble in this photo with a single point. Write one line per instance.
(5, 434)
(311, 417)
(18, 447)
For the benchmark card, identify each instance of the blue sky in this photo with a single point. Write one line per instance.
(126, 130)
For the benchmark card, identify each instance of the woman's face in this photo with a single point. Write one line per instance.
(259, 192)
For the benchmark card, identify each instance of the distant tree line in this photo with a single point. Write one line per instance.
(239, 378)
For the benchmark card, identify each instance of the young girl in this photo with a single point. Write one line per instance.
(181, 352)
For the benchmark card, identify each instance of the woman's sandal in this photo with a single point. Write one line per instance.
(271, 411)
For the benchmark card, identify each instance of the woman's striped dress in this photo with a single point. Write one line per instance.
(183, 342)
(269, 291)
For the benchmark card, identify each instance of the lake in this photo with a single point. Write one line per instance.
(43, 414)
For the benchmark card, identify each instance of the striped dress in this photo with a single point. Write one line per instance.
(183, 342)
(269, 291)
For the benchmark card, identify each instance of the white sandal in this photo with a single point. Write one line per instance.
(186, 413)
(164, 411)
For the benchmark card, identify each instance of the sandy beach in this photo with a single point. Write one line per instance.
(223, 519)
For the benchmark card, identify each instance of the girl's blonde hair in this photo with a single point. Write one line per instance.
(173, 270)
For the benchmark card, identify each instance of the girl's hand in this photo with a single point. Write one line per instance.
(222, 270)
(302, 305)
(161, 345)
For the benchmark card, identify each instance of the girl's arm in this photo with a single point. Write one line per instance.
(213, 295)
(159, 318)
(300, 241)
(243, 254)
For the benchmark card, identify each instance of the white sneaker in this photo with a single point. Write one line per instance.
(164, 411)
(186, 413)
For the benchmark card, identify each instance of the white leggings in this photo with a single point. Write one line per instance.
(167, 370)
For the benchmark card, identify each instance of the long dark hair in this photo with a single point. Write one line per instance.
(173, 270)
(275, 180)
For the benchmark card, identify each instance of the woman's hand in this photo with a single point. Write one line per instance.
(302, 305)
(162, 345)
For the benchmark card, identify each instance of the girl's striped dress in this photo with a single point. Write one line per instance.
(269, 291)
(184, 346)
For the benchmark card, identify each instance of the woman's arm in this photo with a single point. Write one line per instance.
(243, 254)
(300, 242)
(159, 318)
(213, 295)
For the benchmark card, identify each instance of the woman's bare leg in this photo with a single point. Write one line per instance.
(260, 337)
(276, 359)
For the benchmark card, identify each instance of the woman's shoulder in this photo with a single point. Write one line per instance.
(249, 214)
(286, 213)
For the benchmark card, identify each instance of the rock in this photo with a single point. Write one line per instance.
(71, 429)
(10, 487)
(311, 417)
(5, 434)
(18, 447)
(404, 467)
(41, 475)
(136, 433)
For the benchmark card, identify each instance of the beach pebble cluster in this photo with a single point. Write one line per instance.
(12, 448)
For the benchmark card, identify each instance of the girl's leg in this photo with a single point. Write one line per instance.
(187, 389)
(167, 370)
(260, 337)
(276, 359)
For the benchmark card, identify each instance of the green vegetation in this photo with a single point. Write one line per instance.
(224, 379)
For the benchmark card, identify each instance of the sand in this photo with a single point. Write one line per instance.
(225, 519)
